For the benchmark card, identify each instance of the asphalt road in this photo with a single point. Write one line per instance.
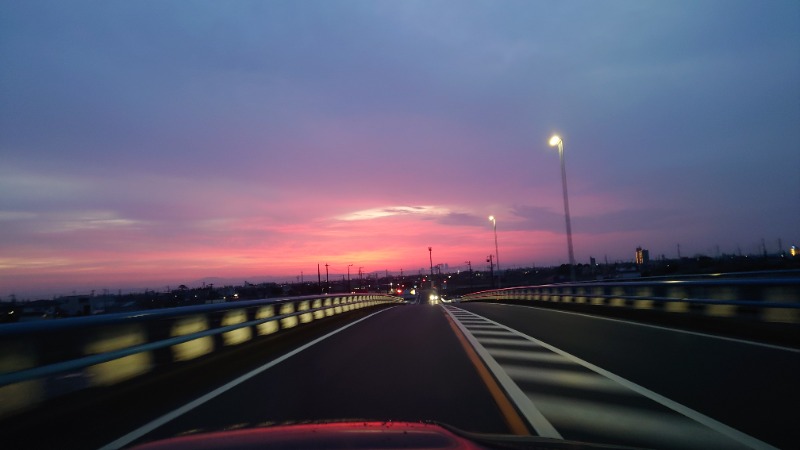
(567, 375)
(401, 363)
(749, 387)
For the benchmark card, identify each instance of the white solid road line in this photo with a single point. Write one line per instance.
(535, 418)
(152, 425)
(715, 425)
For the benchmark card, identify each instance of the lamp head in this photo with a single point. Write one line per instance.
(555, 140)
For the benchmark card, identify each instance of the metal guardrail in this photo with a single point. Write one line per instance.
(42, 360)
(767, 300)
(750, 275)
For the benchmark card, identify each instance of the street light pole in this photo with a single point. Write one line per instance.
(349, 289)
(555, 140)
(469, 264)
(496, 252)
(430, 255)
(491, 269)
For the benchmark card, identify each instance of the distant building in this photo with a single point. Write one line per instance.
(642, 256)
(82, 305)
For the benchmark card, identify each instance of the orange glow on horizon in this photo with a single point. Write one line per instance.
(253, 250)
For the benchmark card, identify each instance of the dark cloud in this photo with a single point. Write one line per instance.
(627, 220)
(538, 218)
(463, 219)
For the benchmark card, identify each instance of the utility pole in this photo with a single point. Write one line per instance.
(319, 279)
(327, 281)
(349, 289)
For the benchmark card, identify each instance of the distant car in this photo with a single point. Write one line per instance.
(408, 294)
(8, 313)
(430, 296)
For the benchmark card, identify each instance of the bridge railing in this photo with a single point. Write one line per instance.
(767, 300)
(41, 360)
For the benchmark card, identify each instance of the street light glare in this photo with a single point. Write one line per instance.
(554, 141)
(491, 218)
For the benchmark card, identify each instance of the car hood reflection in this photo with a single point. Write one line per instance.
(361, 435)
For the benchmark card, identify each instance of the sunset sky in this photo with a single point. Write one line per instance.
(155, 143)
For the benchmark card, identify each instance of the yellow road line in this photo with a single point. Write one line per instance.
(512, 418)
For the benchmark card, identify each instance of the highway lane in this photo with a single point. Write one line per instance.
(404, 363)
(750, 387)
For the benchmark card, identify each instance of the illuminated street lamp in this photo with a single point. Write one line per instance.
(491, 269)
(496, 252)
(430, 254)
(556, 141)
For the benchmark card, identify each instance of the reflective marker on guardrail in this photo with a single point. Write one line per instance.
(265, 312)
(196, 347)
(24, 394)
(110, 339)
(239, 335)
